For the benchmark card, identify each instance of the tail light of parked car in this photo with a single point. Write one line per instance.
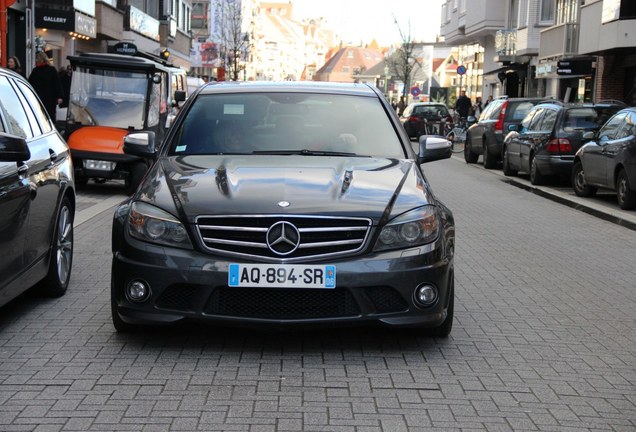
(499, 126)
(559, 145)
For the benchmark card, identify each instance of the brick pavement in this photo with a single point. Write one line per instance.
(544, 339)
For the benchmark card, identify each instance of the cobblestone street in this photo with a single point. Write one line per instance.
(544, 339)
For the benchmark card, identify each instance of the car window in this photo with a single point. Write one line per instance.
(581, 119)
(516, 111)
(17, 122)
(286, 122)
(525, 123)
(549, 120)
(407, 111)
(628, 128)
(37, 108)
(608, 132)
(535, 124)
(485, 115)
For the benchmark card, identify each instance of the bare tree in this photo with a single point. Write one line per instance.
(403, 63)
(233, 40)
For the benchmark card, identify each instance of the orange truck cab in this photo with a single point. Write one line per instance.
(111, 96)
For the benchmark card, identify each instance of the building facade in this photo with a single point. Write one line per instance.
(572, 50)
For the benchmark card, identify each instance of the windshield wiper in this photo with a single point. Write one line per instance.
(306, 152)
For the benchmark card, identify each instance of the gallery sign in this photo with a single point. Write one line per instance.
(53, 19)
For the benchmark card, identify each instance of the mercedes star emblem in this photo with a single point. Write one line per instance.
(283, 238)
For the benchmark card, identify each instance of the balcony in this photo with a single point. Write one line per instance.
(599, 36)
(481, 18)
(505, 45)
(561, 40)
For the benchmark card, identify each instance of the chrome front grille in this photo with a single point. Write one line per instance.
(282, 237)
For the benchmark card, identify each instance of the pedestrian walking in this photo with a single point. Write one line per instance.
(13, 63)
(488, 101)
(46, 83)
(401, 105)
(477, 108)
(463, 104)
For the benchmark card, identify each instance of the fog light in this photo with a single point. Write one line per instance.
(426, 295)
(137, 291)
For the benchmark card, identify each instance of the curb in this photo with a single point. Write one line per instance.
(617, 216)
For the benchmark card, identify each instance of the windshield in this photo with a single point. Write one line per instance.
(287, 123)
(108, 98)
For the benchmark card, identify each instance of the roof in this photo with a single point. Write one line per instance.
(119, 61)
(287, 87)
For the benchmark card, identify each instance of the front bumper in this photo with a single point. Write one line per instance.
(189, 285)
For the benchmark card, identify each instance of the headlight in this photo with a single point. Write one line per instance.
(151, 224)
(417, 227)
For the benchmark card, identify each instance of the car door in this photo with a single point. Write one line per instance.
(594, 160)
(15, 192)
(615, 149)
(513, 141)
(527, 139)
(47, 152)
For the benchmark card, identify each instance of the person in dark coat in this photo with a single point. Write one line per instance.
(65, 77)
(463, 104)
(46, 83)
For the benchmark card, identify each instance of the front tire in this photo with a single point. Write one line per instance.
(489, 161)
(581, 188)
(625, 195)
(507, 170)
(469, 156)
(445, 328)
(61, 261)
(536, 178)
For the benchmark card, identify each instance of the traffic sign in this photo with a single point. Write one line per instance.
(461, 70)
(415, 91)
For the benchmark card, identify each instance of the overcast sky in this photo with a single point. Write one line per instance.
(363, 20)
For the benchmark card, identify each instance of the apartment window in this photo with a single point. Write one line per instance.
(566, 11)
(546, 15)
(444, 13)
(462, 6)
(523, 13)
(455, 4)
(514, 14)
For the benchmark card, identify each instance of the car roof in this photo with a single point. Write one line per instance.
(119, 61)
(9, 72)
(215, 87)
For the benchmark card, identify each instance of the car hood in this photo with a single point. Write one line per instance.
(189, 186)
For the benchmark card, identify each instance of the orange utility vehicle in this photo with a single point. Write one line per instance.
(111, 96)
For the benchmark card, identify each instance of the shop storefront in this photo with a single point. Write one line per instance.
(61, 31)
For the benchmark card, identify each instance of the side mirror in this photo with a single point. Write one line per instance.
(513, 128)
(179, 96)
(140, 144)
(13, 148)
(432, 148)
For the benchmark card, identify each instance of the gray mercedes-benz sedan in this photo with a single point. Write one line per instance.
(284, 204)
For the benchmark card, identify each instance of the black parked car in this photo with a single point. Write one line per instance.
(486, 136)
(37, 197)
(548, 137)
(609, 161)
(254, 218)
(423, 118)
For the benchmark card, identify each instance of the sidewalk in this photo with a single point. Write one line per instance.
(603, 205)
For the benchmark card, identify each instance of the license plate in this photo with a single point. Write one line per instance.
(282, 276)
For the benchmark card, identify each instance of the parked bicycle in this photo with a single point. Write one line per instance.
(457, 133)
